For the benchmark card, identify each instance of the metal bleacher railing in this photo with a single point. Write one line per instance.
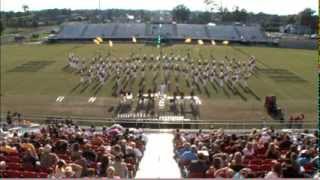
(167, 122)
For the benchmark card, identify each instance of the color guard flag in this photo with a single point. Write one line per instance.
(200, 42)
(96, 42)
(99, 39)
(225, 42)
(188, 40)
(110, 44)
(213, 42)
(134, 40)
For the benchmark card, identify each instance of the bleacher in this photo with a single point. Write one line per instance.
(129, 30)
(179, 32)
(95, 30)
(194, 31)
(223, 32)
(251, 34)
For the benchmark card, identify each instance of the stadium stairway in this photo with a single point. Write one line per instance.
(207, 32)
(115, 29)
(158, 161)
(84, 31)
(175, 30)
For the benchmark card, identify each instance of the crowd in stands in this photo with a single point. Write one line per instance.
(262, 153)
(69, 151)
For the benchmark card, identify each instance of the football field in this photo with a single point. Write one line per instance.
(34, 76)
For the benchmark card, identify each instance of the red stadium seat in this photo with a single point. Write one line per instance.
(14, 166)
(255, 168)
(29, 174)
(28, 168)
(266, 167)
(45, 170)
(268, 161)
(255, 161)
(196, 175)
(3, 158)
(13, 174)
(13, 153)
(15, 159)
(309, 168)
(42, 175)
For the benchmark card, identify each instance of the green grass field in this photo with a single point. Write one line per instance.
(289, 74)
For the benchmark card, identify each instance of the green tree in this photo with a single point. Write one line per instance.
(1, 27)
(306, 17)
(204, 17)
(181, 13)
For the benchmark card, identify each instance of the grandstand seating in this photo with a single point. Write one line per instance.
(100, 30)
(15, 162)
(250, 34)
(226, 146)
(71, 31)
(122, 31)
(194, 31)
(129, 30)
(223, 32)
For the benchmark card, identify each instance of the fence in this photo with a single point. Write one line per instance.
(156, 123)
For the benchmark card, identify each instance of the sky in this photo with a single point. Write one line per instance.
(280, 7)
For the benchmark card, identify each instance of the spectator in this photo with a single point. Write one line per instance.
(28, 159)
(285, 143)
(76, 153)
(304, 157)
(198, 168)
(120, 167)
(88, 153)
(47, 158)
(275, 173)
(248, 151)
(216, 164)
(3, 165)
(104, 164)
(189, 154)
(272, 152)
(111, 173)
(236, 163)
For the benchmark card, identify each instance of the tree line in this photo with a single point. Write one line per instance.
(180, 14)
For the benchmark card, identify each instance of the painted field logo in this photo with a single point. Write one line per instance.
(31, 66)
(282, 75)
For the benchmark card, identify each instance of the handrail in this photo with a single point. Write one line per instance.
(84, 118)
(154, 123)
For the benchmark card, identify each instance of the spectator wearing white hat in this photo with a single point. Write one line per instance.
(47, 158)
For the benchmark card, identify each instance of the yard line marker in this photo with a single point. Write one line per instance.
(60, 99)
(92, 99)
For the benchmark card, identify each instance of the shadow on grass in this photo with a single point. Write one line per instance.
(95, 86)
(225, 91)
(98, 89)
(214, 86)
(254, 94)
(237, 92)
(84, 88)
(75, 88)
(207, 91)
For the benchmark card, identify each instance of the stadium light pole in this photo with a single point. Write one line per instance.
(159, 40)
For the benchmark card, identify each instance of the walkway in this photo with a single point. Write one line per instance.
(158, 159)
